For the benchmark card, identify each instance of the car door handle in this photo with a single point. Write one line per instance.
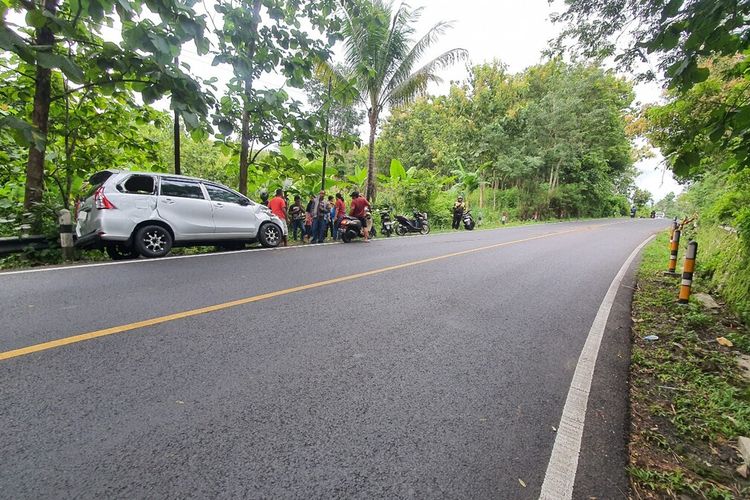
(169, 201)
(219, 205)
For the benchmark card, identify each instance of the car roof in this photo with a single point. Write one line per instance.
(101, 173)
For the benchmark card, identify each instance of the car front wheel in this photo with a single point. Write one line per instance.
(153, 241)
(270, 235)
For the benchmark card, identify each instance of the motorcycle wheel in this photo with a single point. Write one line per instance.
(470, 225)
(400, 230)
(425, 229)
(373, 232)
(346, 236)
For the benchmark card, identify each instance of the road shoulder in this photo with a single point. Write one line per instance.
(603, 457)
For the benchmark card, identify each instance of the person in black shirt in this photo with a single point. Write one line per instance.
(297, 216)
(458, 212)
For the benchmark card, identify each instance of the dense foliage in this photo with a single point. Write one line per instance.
(703, 48)
(551, 140)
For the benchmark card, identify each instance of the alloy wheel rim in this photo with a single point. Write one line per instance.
(154, 241)
(272, 235)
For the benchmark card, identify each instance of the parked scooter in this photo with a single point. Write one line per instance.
(418, 224)
(350, 228)
(386, 223)
(468, 220)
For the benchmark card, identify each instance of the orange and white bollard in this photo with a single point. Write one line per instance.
(674, 246)
(687, 272)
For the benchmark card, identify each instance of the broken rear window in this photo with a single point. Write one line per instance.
(138, 184)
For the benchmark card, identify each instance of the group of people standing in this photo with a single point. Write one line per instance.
(320, 216)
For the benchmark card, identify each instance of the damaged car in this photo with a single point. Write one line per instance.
(130, 214)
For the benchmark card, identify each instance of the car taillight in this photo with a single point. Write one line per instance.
(101, 201)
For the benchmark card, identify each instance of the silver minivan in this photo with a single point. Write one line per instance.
(140, 213)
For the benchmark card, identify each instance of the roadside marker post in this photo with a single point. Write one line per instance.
(687, 272)
(66, 234)
(674, 246)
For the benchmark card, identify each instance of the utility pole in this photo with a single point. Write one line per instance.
(177, 166)
(325, 140)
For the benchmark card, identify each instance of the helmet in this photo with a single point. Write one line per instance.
(460, 198)
(355, 194)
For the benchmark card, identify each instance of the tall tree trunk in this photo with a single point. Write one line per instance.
(481, 195)
(370, 191)
(495, 184)
(176, 136)
(248, 90)
(44, 39)
(245, 138)
(177, 162)
(551, 176)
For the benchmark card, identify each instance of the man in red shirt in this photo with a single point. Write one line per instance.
(278, 208)
(340, 213)
(359, 203)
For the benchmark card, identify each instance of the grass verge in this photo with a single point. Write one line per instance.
(688, 400)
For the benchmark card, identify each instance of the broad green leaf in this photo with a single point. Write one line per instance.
(397, 170)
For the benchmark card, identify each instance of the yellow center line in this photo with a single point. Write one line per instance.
(264, 296)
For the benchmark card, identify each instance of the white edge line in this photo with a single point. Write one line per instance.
(560, 476)
(213, 254)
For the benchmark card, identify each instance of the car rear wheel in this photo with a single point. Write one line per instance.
(270, 235)
(120, 251)
(153, 241)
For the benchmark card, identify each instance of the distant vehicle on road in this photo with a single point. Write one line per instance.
(141, 213)
(659, 215)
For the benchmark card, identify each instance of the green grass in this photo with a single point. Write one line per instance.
(687, 397)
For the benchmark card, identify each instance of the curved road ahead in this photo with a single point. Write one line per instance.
(415, 367)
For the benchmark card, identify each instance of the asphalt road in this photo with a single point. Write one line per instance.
(443, 377)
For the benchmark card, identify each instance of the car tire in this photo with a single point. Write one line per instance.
(270, 235)
(120, 251)
(153, 241)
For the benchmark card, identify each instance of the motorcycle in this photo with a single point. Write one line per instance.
(418, 224)
(350, 228)
(468, 220)
(386, 223)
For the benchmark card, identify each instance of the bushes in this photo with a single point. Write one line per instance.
(723, 261)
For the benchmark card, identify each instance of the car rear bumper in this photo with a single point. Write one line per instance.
(88, 241)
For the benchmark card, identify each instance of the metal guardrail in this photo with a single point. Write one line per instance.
(15, 245)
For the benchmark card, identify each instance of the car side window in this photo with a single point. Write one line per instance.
(220, 194)
(137, 184)
(181, 189)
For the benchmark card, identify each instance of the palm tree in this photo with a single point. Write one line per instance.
(380, 61)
